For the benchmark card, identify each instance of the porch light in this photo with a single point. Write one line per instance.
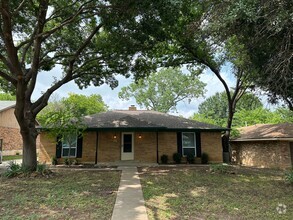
(114, 136)
(139, 136)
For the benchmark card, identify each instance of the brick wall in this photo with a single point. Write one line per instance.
(268, 154)
(47, 148)
(11, 139)
(145, 148)
(211, 143)
(167, 145)
(109, 148)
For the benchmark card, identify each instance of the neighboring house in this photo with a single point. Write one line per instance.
(264, 145)
(9, 128)
(139, 135)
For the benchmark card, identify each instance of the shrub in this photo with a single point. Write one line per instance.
(204, 158)
(289, 176)
(190, 158)
(54, 160)
(164, 159)
(75, 162)
(13, 169)
(67, 161)
(177, 157)
(41, 168)
(219, 168)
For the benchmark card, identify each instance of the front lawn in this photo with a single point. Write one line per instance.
(11, 157)
(196, 193)
(66, 195)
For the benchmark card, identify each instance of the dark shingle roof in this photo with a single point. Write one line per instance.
(142, 119)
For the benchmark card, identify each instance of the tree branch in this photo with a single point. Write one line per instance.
(8, 39)
(31, 77)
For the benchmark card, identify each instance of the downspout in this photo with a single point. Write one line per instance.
(97, 144)
(157, 147)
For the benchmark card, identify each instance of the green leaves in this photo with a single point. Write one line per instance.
(66, 115)
(162, 90)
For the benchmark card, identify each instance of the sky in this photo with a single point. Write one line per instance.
(110, 96)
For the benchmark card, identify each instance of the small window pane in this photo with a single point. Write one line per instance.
(188, 140)
(69, 145)
(188, 151)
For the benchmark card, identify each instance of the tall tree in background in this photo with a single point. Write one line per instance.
(65, 116)
(37, 35)
(215, 108)
(7, 97)
(162, 90)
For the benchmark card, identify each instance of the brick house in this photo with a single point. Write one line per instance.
(264, 145)
(9, 128)
(139, 135)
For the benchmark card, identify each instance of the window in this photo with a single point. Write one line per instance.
(188, 143)
(69, 145)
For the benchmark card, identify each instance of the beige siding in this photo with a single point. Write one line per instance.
(211, 143)
(268, 154)
(7, 119)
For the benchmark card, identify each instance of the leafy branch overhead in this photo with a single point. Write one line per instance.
(161, 91)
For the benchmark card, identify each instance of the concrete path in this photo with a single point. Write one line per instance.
(129, 202)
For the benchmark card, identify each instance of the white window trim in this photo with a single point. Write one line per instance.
(75, 147)
(194, 138)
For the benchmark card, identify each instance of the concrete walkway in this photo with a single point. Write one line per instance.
(129, 202)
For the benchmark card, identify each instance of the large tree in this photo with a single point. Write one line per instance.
(162, 90)
(88, 39)
(264, 29)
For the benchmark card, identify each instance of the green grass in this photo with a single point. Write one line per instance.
(196, 193)
(66, 195)
(12, 157)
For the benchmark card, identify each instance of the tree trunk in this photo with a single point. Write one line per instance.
(28, 131)
(29, 158)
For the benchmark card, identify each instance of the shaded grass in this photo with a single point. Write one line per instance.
(12, 157)
(67, 195)
(195, 193)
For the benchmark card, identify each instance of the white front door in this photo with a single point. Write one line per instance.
(127, 151)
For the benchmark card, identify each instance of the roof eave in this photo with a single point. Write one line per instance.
(262, 139)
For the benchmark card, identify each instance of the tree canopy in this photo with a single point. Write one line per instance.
(264, 30)
(162, 90)
(7, 96)
(215, 108)
(91, 41)
(65, 115)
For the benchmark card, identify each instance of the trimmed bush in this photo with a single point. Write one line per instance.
(54, 160)
(67, 161)
(204, 158)
(289, 176)
(190, 158)
(164, 159)
(177, 157)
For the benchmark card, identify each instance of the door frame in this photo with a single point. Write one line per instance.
(130, 155)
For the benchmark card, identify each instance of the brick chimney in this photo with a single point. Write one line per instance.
(132, 108)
